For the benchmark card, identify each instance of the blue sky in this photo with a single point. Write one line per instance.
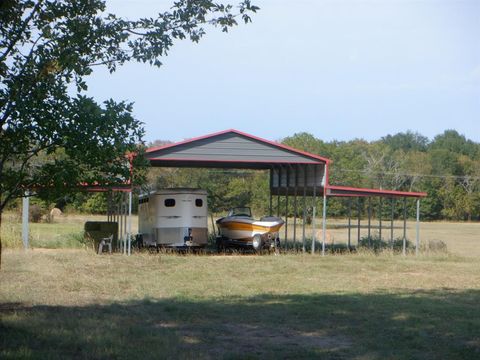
(337, 69)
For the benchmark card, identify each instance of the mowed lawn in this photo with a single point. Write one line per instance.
(71, 303)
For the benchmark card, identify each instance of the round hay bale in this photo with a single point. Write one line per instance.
(329, 239)
(56, 212)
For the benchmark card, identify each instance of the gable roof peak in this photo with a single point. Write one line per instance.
(245, 135)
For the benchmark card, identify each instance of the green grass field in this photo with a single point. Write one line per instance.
(71, 303)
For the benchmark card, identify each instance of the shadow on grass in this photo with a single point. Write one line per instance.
(422, 325)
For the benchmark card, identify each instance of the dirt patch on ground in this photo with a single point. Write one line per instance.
(257, 336)
(256, 339)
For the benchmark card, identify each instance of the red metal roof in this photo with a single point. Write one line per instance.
(337, 190)
(332, 190)
(96, 187)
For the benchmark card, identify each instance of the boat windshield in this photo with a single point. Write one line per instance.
(240, 211)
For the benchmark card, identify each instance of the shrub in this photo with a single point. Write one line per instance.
(35, 213)
(437, 245)
(95, 204)
(377, 244)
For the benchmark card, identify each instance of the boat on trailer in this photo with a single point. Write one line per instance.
(240, 229)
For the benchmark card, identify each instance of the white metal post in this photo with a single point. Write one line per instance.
(25, 209)
(129, 224)
(404, 226)
(314, 210)
(124, 223)
(287, 181)
(324, 228)
(417, 243)
(304, 220)
(349, 223)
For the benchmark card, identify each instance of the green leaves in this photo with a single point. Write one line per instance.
(52, 136)
(447, 168)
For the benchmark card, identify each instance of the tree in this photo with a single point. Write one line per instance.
(349, 163)
(382, 167)
(470, 183)
(406, 141)
(453, 142)
(415, 165)
(307, 142)
(51, 134)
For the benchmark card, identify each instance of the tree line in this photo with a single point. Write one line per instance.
(447, 168)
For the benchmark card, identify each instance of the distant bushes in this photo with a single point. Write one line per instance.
(378, 244)
(434, 246)
(36, 213)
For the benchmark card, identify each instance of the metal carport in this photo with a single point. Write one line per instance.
(292, 172)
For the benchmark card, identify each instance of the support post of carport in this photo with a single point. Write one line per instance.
(392, 214)
(417, 242)
(278, 189)
(369, 220)
(380, 219)
(404, 250)
(295, 211)
(129, 229)
(324, 224)
(304, 207)
(118, 215)
(287, 184)
(124, 216)
(358, 229)
(314, 210)
(349, 222)
(270, 189)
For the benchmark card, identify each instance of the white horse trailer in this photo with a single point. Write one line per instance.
(174, 218)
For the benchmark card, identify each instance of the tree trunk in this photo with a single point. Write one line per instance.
(1, 238)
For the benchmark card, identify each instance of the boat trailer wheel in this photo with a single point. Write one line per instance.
(257, 242)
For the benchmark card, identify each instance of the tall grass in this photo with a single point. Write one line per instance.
(43, 235)
(11, 235)
(72, 240)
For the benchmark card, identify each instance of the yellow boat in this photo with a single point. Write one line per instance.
(239, 228)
